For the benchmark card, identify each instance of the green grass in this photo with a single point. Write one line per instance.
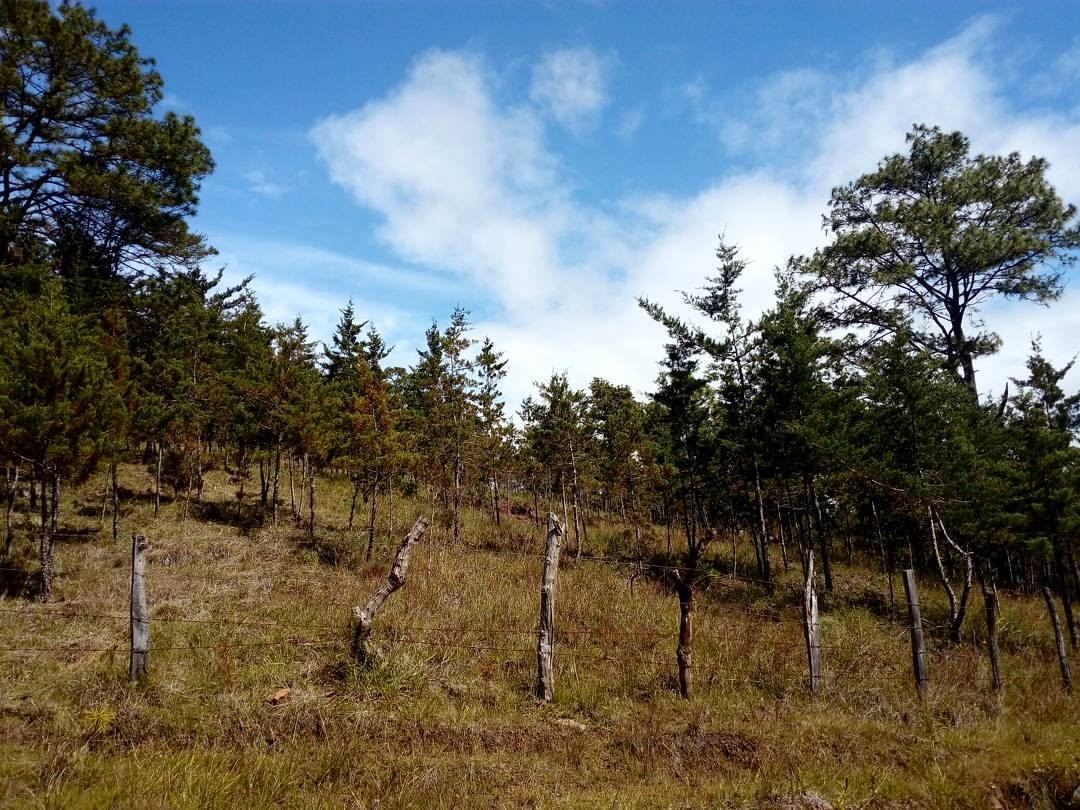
(452, 722)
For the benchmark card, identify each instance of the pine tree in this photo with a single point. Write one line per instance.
(56, 400)
(930, 237)
(492, 437)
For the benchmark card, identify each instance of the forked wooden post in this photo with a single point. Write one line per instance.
(545, 641)
(394, 580)
(1059, 640)
(812, 625)
(918, 645)
(140, 613)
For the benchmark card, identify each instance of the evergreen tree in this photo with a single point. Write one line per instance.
(1042, 425)
(82, 157)
(492, 435)
(56, 400)
(931, 236)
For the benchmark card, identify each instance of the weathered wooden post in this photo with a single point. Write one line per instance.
(394, 580)
(811, 624)
(918, 645)
(1063, 658)
(140, 613)
(545, 640)
(991, 602)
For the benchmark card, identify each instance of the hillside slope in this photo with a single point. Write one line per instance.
(447, 719)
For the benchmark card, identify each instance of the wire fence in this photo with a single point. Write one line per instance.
(576, 642)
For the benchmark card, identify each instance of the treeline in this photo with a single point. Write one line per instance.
(845, 420)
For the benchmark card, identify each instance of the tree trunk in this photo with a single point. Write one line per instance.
(9, 509)
(1059, 640)
(371, 523)
(304, 472)
(389, 506)
(1063, 576)
(157, 481)
(311, 500)
(457, 500)
(54, 512)
(198, 470)
(823, 540)
(565, 511)
(764, 568)
(780, 530)
(890, 563)
(957, 606)
(115, 502)
(352, 503)
(578, 526)
(45, 549)
(292, 490)
(276, 487)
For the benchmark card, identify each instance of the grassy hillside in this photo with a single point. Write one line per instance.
(448, 719)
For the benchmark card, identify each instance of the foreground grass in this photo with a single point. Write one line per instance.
(447, 719)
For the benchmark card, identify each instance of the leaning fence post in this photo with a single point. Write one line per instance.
(918, 645)
(140, 614)
(1063, 658)
(811, 625)
(545, 641)
(394, 580)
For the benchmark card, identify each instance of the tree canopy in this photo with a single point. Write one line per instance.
(932, 235)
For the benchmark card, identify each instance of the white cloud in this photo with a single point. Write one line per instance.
(259, 183)
(296, 280)
(470, 186)
(572, 85)
(461, 183)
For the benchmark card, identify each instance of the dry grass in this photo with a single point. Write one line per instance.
(448, 720)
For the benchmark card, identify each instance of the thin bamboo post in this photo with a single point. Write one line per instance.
(545, 640)
(1059, 639)
(140, 613)
(812, 625)
(394, 580)
(918, 645)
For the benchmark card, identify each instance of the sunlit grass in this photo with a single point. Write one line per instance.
(447, 717)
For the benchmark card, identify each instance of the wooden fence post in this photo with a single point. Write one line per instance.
(140, 613)
(1063, 658)
(545, 640)
(992, 605)
(394, 580)
(811, 625)
(918, 645)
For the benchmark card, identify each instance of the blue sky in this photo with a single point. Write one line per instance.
(543, 165)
